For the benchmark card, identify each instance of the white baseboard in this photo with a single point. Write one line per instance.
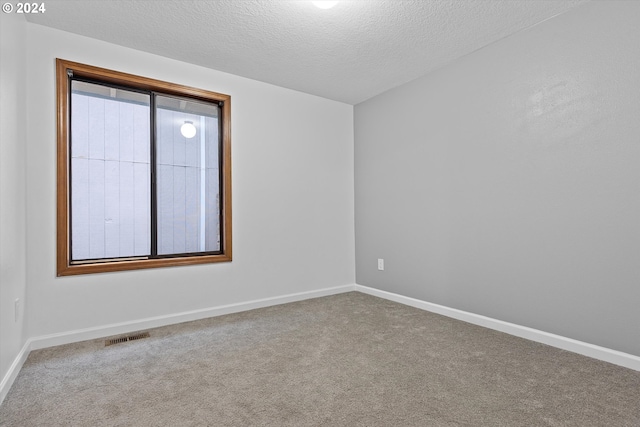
(590, 350)
(601, 353)
(154, 322)
(13, 371)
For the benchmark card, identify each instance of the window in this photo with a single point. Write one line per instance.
(144, 172)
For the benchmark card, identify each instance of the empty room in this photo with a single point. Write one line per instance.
(320, 213)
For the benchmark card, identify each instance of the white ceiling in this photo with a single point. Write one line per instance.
(349, 53)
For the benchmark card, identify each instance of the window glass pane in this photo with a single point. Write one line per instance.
(110, 169)
(187, 176)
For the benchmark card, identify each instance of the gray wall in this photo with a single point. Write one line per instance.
(12, 189)
(507, 183)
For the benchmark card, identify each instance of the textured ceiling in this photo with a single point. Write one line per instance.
(349, 53)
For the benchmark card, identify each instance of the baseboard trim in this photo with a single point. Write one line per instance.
(14, 370)
(154, 322)
(601, 353)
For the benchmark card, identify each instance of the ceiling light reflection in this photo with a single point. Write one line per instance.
(324, 4)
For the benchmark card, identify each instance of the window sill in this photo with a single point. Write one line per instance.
(67, 269)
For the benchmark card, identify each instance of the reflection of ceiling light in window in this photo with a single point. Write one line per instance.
(188, 130)
(324, 4)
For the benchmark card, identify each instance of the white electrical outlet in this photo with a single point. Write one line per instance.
(380, 264)
(16, 309)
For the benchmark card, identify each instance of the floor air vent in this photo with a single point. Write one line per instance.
(125, 339)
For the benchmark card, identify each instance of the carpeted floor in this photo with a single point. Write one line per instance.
(344, 360)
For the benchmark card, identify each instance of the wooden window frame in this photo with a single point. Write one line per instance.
(65, 267)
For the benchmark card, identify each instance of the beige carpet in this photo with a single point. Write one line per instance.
(343, 360)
